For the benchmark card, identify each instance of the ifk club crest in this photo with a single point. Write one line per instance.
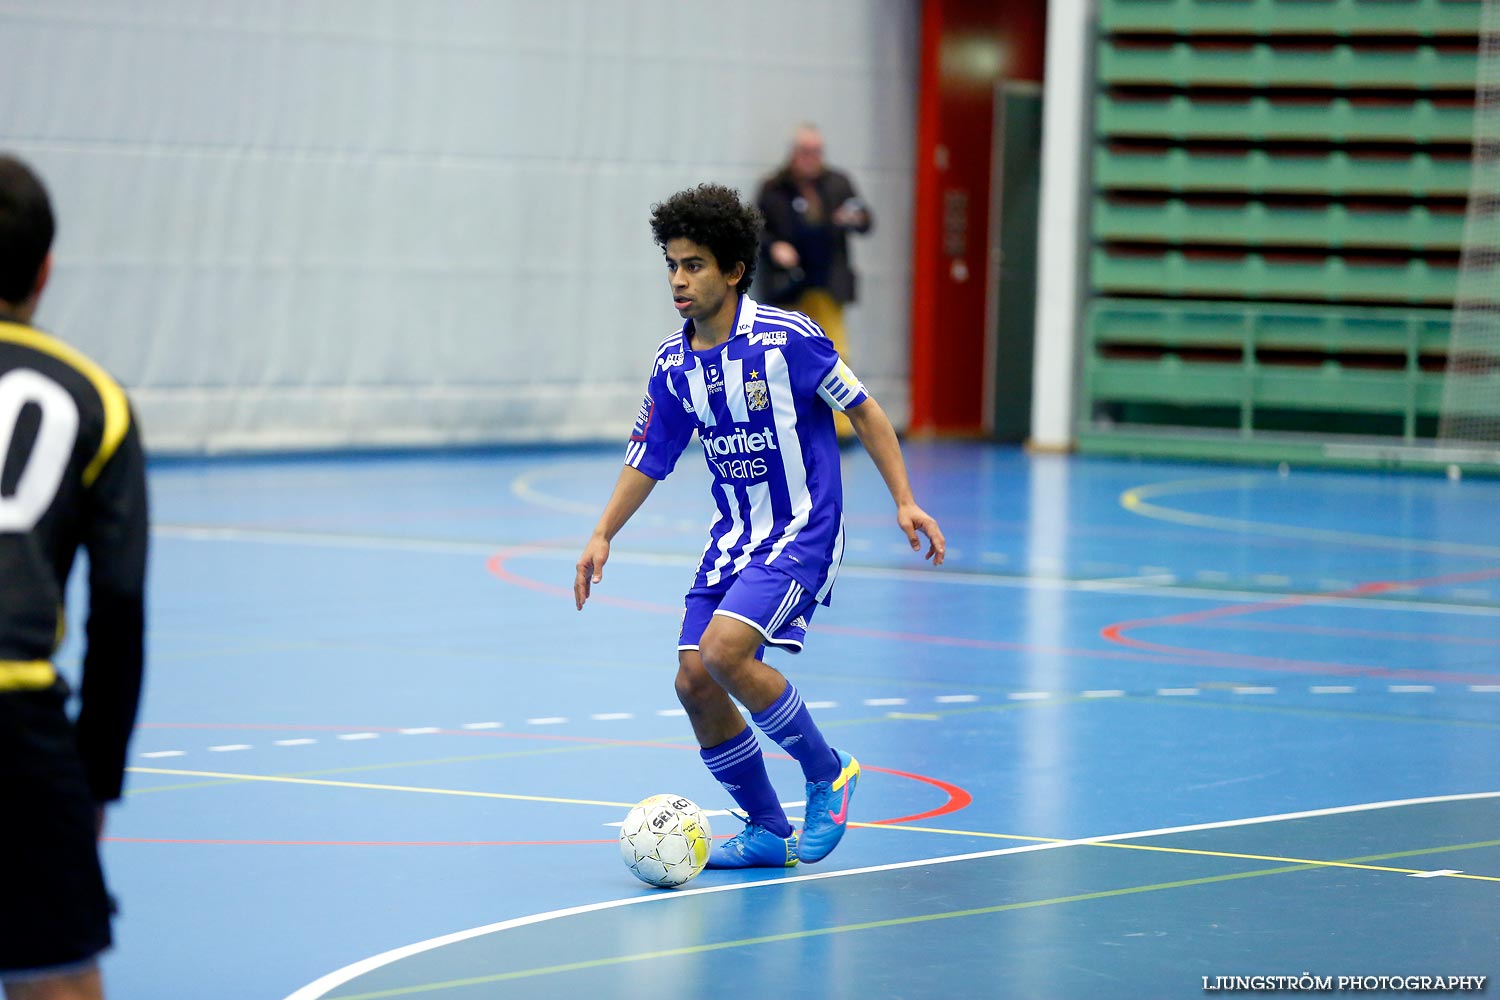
(756, 394)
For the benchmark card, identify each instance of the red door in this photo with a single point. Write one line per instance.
(968, 46)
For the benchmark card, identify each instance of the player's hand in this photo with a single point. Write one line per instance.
(590, 568)
(914, 519)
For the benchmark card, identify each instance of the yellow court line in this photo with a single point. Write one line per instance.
(1327, 864)
(799, 935)
(1009, 706)
(571, 748)
(378, 788)
(1295, 866)
(958, 833)
(1311, 862)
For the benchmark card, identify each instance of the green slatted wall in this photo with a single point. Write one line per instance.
(1278, 199)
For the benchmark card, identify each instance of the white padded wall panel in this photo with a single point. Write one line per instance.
(373, 222)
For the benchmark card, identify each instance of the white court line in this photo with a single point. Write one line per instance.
(1127, 582)
(320, 987)
(1093, 694)
(230, 533)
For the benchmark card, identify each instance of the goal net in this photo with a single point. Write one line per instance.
(1470, 415)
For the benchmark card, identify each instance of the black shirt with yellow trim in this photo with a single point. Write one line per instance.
(72, 474)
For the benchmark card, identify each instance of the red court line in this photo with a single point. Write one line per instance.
(496, 565)
(1355, 633)
(958, 798)
(1214, 658)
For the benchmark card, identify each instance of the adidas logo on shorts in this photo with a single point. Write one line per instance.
(799, 622)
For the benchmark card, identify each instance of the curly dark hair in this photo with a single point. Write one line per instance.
(26, 229)
(712, 216)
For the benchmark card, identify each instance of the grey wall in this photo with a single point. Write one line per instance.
(384, 222)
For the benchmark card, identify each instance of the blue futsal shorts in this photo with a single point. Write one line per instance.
(761, 596)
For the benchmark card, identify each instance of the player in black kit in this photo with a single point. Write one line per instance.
(72, 474)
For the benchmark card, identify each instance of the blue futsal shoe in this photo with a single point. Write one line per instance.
(828, 811)
(754, 847)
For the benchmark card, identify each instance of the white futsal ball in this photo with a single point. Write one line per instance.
(665, 840)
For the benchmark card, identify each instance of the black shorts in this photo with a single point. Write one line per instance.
(54, 910)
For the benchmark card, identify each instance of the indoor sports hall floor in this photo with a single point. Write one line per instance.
(1151, 723)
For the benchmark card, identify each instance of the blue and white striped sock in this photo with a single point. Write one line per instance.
(741, 768)
(789, 723)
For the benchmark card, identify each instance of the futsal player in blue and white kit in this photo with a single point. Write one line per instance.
(759, 386)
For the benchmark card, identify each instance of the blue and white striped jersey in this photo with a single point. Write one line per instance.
(762, 404)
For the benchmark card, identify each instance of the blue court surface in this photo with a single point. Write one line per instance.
(1151, 723)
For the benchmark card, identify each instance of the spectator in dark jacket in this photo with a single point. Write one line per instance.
(809, 210)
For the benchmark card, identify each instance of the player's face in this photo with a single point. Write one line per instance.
(700, 290)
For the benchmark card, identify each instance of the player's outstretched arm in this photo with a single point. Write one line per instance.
(630, 492)
(879, 438)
